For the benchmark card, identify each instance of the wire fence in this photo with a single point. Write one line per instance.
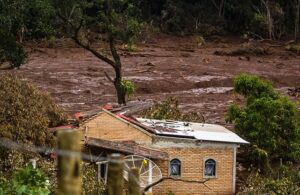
(111, 162)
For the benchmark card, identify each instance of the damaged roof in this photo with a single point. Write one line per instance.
(129, 147)
(179, 129)
(199, 131)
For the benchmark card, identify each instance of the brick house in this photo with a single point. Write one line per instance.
(189, 152)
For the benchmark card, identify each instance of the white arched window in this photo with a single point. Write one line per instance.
(175, 168)
(210, 168)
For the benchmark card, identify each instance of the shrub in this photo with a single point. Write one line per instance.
(11, 51)
(90, 182)
(257, 184)
(25, 181)
(25, 115)
(128, 87)
(169, 110)
(269, 121)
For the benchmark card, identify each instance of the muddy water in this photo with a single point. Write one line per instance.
(200, 80)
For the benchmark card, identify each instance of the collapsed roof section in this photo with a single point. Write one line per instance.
(176, 129)
(199, 131)
(128, 147)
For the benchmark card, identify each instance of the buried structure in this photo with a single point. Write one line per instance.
(194, 158)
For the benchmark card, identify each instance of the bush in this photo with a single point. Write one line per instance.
(90, 183)
(269, 121)
(128, 87)
(11, 51)
(258, 184)
(169, 110)
(25, 181)
(25, 115)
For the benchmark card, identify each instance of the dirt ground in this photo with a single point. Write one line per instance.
(163, 66)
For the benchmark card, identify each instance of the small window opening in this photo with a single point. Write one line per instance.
(210, 168)
(175, 168)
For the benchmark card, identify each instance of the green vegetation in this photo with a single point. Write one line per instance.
(269, 121)
(128, 87)
(169, 110)
(90, 182)
(11, 51)
(22, 20)
(110, 21)
(25, 181)
(283, 181)
(25, 115)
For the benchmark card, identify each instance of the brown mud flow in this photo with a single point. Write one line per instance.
(162, 67)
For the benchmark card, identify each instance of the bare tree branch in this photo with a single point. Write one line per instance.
(174, 179)
(108, 77)
(87, 47)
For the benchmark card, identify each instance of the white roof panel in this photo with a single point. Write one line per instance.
(199, 131)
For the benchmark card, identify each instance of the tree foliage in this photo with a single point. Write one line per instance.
(269, 121)
(21, 20)
(25, 181)
(103, 21)
(169, 110)
(10, 50)
(26, 113)
(283, 180)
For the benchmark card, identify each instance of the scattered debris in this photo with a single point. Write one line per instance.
(294, 91)
(293, 48)
(187, 49)
(245, 49)
(186, 55)
(148, 64)
(244, 58)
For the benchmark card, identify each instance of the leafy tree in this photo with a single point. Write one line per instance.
(11, 51)
(20, 19)
(110, 21)
(269, 121)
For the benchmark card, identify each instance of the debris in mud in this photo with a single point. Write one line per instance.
(294, 91)
(244, 58)
(5, 66)
(280, 65)
(187, 50)
(148, 64)
(245, 49)
(186, 55)
(293, 48)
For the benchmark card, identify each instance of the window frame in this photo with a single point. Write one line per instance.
(170, 168)
(204, 163)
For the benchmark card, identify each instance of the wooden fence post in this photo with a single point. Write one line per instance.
(115, 181)
(69, 162)
(134, 182)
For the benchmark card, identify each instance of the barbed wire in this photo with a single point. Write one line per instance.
(22, 147)
(12, 145)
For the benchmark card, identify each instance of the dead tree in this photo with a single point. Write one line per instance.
(220, 6)
(269, 21)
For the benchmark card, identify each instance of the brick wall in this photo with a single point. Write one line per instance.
(108, 127)
(192, 164)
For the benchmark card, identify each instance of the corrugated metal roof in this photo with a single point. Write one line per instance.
(199, 131)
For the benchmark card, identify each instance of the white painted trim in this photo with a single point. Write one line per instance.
(234, 169)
